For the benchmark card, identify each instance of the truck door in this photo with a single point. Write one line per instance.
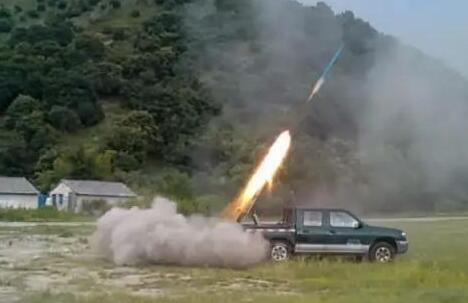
(344, 234)
(311, 236)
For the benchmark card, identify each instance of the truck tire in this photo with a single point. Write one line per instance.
(382, 252)
(280, 251)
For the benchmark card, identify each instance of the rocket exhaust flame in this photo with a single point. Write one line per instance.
(268, 168)
(263, 175)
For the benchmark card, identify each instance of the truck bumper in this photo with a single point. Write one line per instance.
(402, 247)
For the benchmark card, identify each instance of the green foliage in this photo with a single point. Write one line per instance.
(135, 13)
(134, 137)
(41, 8)
(14, 155)
(86, 162)
(115, 4)
(5, 13)
(64, 119)
(62, 4)
(52, 3)
(25, 118)
(6, 25)
(73, 90)
(45, 214)
(107, 78)
(91, 46)
(17, 9)
(33, 14)
(60, 33)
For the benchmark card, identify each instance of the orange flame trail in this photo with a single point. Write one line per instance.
(264, 173)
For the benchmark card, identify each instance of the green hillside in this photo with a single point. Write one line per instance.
(182, 97)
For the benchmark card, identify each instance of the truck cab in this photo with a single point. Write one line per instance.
(330, 231)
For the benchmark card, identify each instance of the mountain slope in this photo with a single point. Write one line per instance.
(183, 97)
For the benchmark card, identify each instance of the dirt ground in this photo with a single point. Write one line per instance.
(57, 259)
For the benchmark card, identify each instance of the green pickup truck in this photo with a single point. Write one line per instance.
(329, 231)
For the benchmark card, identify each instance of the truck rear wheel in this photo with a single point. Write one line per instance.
(280, 251)
(382, 252)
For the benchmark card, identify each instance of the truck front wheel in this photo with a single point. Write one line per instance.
(280, 251)
(382, 252)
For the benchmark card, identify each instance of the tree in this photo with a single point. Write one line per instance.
(135, 136)
(86, 162)
(72, 90)
(106, 77)
(115, 4)
(64, 119)
(135, 13)
(4, 13)
(14, 158)
(41, 8)
(62, 5)
(47, 48)
(59, 32)
(181, 111)
(25, 116)
(18, 9)
(23, 106)
(33, 14)
(91, 46)
(6, 25)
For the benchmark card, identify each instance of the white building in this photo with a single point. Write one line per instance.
(17, 193)
(70, 194)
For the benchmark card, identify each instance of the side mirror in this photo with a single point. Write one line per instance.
(356, 225)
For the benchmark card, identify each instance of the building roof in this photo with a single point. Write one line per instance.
(15, 185)
(99, 188)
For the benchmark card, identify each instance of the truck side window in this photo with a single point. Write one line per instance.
(341, 219)
(312, 218)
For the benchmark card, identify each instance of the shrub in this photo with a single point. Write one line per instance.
(64, 119)
(6, 25)
(18, 9)
(52, 3)
(135, 13)
(118, 34)
(4, 13)
(62, 5)
(41, 8)
(33, 14)
(115, 4)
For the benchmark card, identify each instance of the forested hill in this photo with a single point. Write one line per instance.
(182, 97)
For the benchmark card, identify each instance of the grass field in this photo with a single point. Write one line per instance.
(54, 264)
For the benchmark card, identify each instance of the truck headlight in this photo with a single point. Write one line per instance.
(403, 234)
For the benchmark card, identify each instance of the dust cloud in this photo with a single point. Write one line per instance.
(160, 235)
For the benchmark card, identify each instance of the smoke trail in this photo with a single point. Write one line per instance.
(322, 78)
(160, 235)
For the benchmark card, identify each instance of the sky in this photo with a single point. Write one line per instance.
(437, 27)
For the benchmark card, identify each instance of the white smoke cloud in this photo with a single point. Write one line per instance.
(160, 235)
